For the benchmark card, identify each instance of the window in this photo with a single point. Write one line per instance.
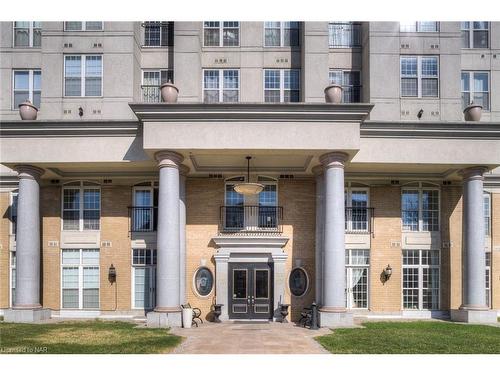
(81, 207)
(281, 34)
(421, 279)
(357, 266)
(158, 34)
(80, 278)
(83, 26)
(350, 82)
(27, 34)
(487, 214)
(13, 213)
(344, 34)
(221, 85)
(144, 278)
(212, 31)
(488, 278)
(83, 75)
(420, 209)
(419, 27)
(475, 34)
(281, 85)
(151, 82)
(27, 86)
(12, 278)
(356, 204)
(298, 282)
(419, 76)
(476, 89)
(203, 281)
(144, 214)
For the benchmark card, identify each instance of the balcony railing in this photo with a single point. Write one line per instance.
(143, 218)
(359, 220)
(151, 94)
(265, 219)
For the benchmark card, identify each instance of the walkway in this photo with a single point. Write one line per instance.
(249, 338)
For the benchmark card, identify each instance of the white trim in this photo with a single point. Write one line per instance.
(348, 268)
(416, 24)
(83, 58)
(470, 31)
(11, 267)
(221, 33)
(348, 197)
(472, 90)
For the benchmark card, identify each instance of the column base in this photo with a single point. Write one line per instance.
(336, 319)
(474, 316)
(158, 319)
(26, 315)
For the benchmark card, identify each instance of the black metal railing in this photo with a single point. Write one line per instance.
(143, 218)
(359, 219)
(251, 219)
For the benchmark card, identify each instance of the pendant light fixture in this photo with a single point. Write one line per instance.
(247, 187)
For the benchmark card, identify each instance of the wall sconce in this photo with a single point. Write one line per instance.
(112, 273)
(387, 272)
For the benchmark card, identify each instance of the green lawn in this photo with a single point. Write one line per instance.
(88, 337)
(413, 338)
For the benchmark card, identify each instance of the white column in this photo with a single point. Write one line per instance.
(474, 272)
(28, 238)
(168, 242)
(221, 283)
(279, 271)
(182, 232)
(320, 230)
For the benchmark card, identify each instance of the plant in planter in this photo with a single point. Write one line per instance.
(28, 111)
(169, 92)
(333, 94)
(473, 112)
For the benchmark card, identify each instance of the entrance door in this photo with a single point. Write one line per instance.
(250, 291)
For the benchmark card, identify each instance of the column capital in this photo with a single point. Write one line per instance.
(334, 159)
(183, 170)
(169, 159)
(473, 173)
(318, 170)
(29, 172)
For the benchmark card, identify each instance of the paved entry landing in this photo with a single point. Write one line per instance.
(249, 338)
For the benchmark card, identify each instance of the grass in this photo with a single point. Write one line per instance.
(88, 337)
(413, 338)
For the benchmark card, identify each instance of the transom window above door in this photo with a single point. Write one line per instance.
(221, 33)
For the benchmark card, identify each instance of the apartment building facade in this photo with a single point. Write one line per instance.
(117, 204)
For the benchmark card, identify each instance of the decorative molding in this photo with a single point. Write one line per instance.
(428, 129)
(252, 112)
(251, 243)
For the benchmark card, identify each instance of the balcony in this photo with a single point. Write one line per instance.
(251, 219)
(143, 218)
(359, 220)
(151, 94)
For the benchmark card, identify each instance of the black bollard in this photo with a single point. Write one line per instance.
(314, 316)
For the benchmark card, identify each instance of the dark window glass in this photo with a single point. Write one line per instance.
(204, 281)
(298, 282)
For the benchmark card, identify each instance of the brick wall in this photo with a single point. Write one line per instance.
(50, 206)
(115, 228)
(385, 296)
(4, 249)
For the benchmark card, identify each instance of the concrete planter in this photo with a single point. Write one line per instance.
(169, 92)
(333, 94)
(28, 111)
(473, 112)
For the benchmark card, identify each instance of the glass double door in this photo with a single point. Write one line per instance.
(250, 291)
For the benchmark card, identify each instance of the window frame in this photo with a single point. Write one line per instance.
(84, 26)
(220, 89)
(352, 43)
(419, 77)
(14, 193)
(81, 187)
(31, 33)
(344, 86)
(348, 189)
(348, 267)
(282, 84)
(472, 91)
(170, 76)
(420, 267)
(170, 39)
(418, 29)
(282, 29)
(153, 266)
(221, 29)
(470, 31)
(31, 86)
(487, 213)
(80, 267)
(83, 62)
(420, 188)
